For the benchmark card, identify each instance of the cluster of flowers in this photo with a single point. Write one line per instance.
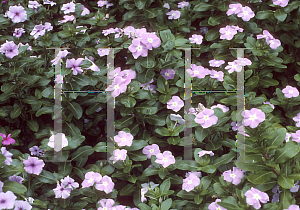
(104, 183)
(39, 30)
(276, 191)
(236, 65)
(120, 80)
(274, 43)
(109, 204)
(200, 72)
(8, 201)
(64, 189)
(229, 31)
(243, 12)
(11, 49)
(148, 86)
(175, 14)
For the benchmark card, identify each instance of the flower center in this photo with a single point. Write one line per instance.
(233, 9)
(245, 13)
(173, 14)
(119, 156)
(290, 91)
(151, 150)
(123, 139)
(150, 40)
(205, 117)
(165, 159)
(256, 196)
(253, 117)
(216, 75)
(166, 74)
(190, 182)
(271, 42)
(105, 183)
(174, 103)
(90, 180)
(116, 86)
(217, 62)
(139, 48)
(196, 72)
(227, 32)
(32, 164)
(232, 175)
(196, 39)
(2, 201)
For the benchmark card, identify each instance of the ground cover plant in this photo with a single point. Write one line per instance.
(147, 169)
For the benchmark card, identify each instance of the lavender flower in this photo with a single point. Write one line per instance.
(204, 152)
(7, 154)
(38, 31)
(75, 65)
(33, 5)
(129, 31)
(150, 40)
(295, 187)
(281, 3)
(49, 2)
(103, 52)
(290, 91)
(22, 205)
(175, 104)
(215, 206)
(7, 140)
(183, 4)
(235, 176)
(198, 71)
(69, 7)
(117, 87)
(10, 49)
(246, 14)
(166, 5)
(119, 155)
(168, 73)
(91, 178)
(221, 106)
(177, 118)
(173, 14)
(253, 197)
(151, 150)
(216, 63)
(67, 18)
(274, 43)
(203, 30)
(62, 192)
(85, 11)
(217, 75)
(165, 159)
(234, 9)
(16, 178)
(69, 182)
(124, 139)
(106, 184)
(296, 136)
(253, 117)
(7, 200)
(33, 165)
(265, 35)
(64, 141)
(138, 48)
(196, 39)
(297, 119)
(106, 204)
(227, 33)
(18, 32)
(232, 66)
(293, 207)
(206, 118)
(17, 14)
(190, 182)
(102, 3)
(269, 104)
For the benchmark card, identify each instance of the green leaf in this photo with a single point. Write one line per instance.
(166, 205)
(143, 206)
(92, 108)
(166, 35)
(285, 181)
(285, 153)
(128, 101)
(229, 206)
(81, 152)
(280, 14)
(285, 199)
(212, 35)
(162, 173)
(150, 171)
(165, 186)
(264, 14)
(186, 195)
(297, 77)
(202, 7)
(266, 108)
(140, 4)
(268, 81)
(184, 29)
(180, 42)
(75, 109)
(136, 145)
(44, 110)
(148, 62)
(277, 137)
(124, 122)
(201, 133)
(215, 20)
(8, 87)
(6, 96)
(142, 94)
(208, 169)
(125, 191)
(2, 157)
(260, 177)
(100, 147)
(137, 156)
(16, 112)
(150, 13)
(15, 187)
(251, 83)
(146, 76)
(33, 125)
(224, 159)
(287, 39)
(146, 109)
(163, 131)
(248, 166)
(155, 120)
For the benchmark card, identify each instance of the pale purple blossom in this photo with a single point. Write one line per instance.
(85, 11)
(117, 87)
(275, 198)
(33, 5)
(48, 26)
(290, 91)
(129, 31)
(217, 75)
(101, 3)
(235, 176)
(151, 150)
(198, 71)
(232, 66)
(206, 118)
(175, 103)
(269, 104)
(62, 192)
(119, 155)
(296, 136)
(103, 52)
(253, 117)
(166, 5)
(204, 152)
(18, 32)
(7, 154)
(150, 40)
(21, 45)
(221, 106)
(124, 139)
(293, 207)
(49, 2)
(216, 63)
(69, 7)
(183, 4)
(91, 178)
(108, 31)
(196, 39)
(138, 48)
(297, 119)
(178, 118)
(227, 33)
(64, 141)
(33, 165)
(69, 182)
(61, 54)
(168, 73)
(67, 18)
(7, 140)
(38, 31)
(295, 187)
(17, 14)
(234, 9)
(7, 199)
(203, 30)
(282, 3)
(22, 205)
(16, 178)
(190, 182)
(215, 206)
(128, 73)
(274, 43)
(165, 159)
(75, 65)
(106, 184)
(106, 204)
(253, 197)
(246, 14)
(243, 61)
(10, 49)
(265, 35)
(173, 14)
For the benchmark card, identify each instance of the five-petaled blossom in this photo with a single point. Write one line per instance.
(290, 91)
(196, 39)
(175, 103)
(168, 73)
(75, 65)
(151, 150)
(253, 197)
(7, 140)
(215, 206)
(296, 136)
(33, 165)
(173, 14)
(204, 152)
(124, 139)
(198, 71)
(234, 9)
(10, 49)
(183, 4)
(69, 7)
(206, 118)
(17, 14)
(106, 184)
(165, 159)
(216, 63)
(91, 178)
(62, 192)
(281, 3)
(60, 137)
(119, 155)
(7, 199)
(235, 176)
(253, 117)
(190, 182)
(217, 75)
(246, 14)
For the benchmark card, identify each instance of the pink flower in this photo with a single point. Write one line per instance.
(165, 159)
(253, 117)
(7, 140)
(62, 192)
(215, 206)
(69, 7)
(232, 66)
(217, 75)
(281, 3)
(8, 199)
(235, 176)
(129, 31)
(106, 184)
(138, 49)
(10, 49)
(196, 39)
(234, 9)
(183, 4)
(297, 119)
(103, 52)
(119, 155)
(91, 178)
(67, 18)
(151, 150)
(17, 14)
(166, 5)
(224, 108)
(190, 182)
(290, 91)
(269, 104)
(198, 71)
(117, 87)
(175, 104)
(85, 11)
(102, 3)
(168, 73)
(106, 204)
(7, 154)
(206, 118)
(274, 43)
(69, 182)
(216, 63)
(204, 152)
(128, 73)
(243, 61)
(124, 139)
(227, 33)
(293, 207)
(150, 40)
(18, 32)
(253, 197)
(16, 178)
(173, 14)
(287, 137)
(296, 136)
(38, 31)
(246, 14)
(265, 35)
(33, 165)
(75, 65)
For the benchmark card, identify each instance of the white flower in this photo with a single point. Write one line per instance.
(58, 136)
